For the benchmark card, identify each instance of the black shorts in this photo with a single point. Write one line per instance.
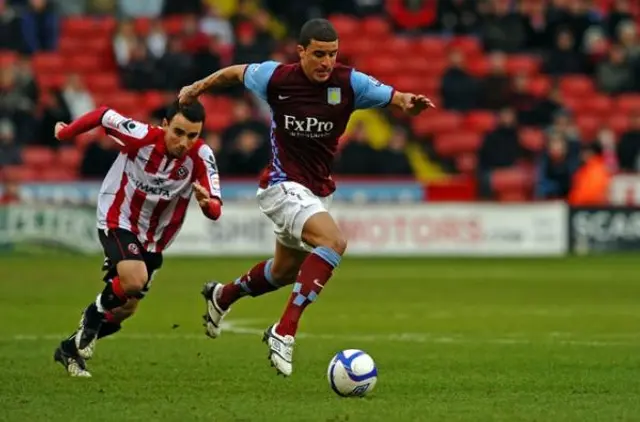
(121, 245)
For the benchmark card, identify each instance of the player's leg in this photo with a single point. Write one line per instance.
(321, 232)
(264, 277)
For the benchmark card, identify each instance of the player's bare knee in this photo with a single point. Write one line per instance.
(133, 276)
(338, 243)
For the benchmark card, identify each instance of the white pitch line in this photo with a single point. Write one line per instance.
(238, 327)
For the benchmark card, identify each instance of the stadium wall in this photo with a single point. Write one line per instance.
(390, 219)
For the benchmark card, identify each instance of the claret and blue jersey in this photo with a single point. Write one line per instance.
(308, 118)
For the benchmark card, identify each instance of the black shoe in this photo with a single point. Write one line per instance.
(85, 338)
(74, 364)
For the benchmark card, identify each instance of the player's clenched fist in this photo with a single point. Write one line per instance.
(59, 126)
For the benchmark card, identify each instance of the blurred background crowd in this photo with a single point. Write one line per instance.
(537, 99)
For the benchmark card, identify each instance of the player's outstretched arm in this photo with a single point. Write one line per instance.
(224, 77)
(84, 123)
(206, 186)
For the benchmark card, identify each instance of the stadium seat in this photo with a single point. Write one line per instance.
(523, 64)
(142, 26)
(21, 173)
(588, 126)
(47, 63)
(51, 81)
(469, 46)
(81, 141)
(437, 123)
(539, 86)
(346, 26)
(577, 86)
(399, 46)
(173, 25)
(619, 123)
(7, 58)
(38, 157)
(467, 163)
(59, 175)
(84, 64)
(102, 83)
(480, 121)
(454, 143)
(511, 179)
(628, 103)
(375, 27)
(69, 158)
(431, 47)
(86, 27)
(532, 139)
(478, 66)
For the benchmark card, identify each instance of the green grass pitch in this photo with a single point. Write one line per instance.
(454, 340)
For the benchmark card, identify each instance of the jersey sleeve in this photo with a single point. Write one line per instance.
(125, 131)
(369, 92)
(257, 77)
(206, 171)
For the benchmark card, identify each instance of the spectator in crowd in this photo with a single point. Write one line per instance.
(243, 121)
(207, 60)
(10, 31)
(393, 160)
(124, 41)
(590, 184)
(40, 26)
(9, 150)
(10, 192)
(523, 102)
(141, 73)
(157, 40)
(502, 29)
(496, 86)
(620, 12)
(615, 76)
(595, 48)
(564, 124)
(458, 17)
(176, 66)
(247, 156)
(248, 48)
(182, 7)
(545, 110)
(629, 40)
(500, 148)
(213, 25)
(555, 169)
(459, 89)
(17, 103)
(98, 158)
(563, 58)
(357, 156)
(54, 109)
(629, 146)
(76, 97)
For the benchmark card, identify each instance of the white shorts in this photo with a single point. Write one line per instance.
(289, 205)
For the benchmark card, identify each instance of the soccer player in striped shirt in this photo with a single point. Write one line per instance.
(311, 102)
(141, 207)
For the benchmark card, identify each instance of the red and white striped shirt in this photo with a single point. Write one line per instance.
(146, 191)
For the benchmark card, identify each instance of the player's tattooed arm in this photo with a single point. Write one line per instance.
(411, 104)
(222, 78)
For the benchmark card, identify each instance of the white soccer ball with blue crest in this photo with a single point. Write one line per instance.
(352, 373)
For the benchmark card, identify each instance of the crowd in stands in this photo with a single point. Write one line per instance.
(536, 98)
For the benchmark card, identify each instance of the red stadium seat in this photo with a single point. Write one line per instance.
(399, 46)
(153, 100)
(618, 123)
(437, 123)
(173, 25)
(523, 64)
(218, 121)
(38, 157)
(470, 46)
(431, 47)
(511, 179)
(588, 126)
(103, 83)
(480, 121)
(69, 158)
(59, 175)
(346, 26)
(539, 86)
(478, 66)
(46, 63)
(467, 163)
(20, 173)
(454, 143)
(7, 58)
(84, 64)
(532, 139)
(628, 103)
(51, 80)
(142, 26)
(81, 141)
(87, 27)
(375, 27)
(600, 104)
(577, 86)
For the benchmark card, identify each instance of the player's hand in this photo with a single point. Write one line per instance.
(415, 104)
(188, 94)
(59, 126)
(202, 195)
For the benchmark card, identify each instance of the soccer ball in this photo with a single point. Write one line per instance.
(352, 373)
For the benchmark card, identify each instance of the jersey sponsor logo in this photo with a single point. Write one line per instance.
(334, 96)
(310, 127)
(148, 189)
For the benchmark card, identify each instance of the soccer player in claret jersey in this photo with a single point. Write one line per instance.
(141, 207)
(311, 102)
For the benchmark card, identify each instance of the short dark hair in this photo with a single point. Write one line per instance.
(193, 111)
(319, 30)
